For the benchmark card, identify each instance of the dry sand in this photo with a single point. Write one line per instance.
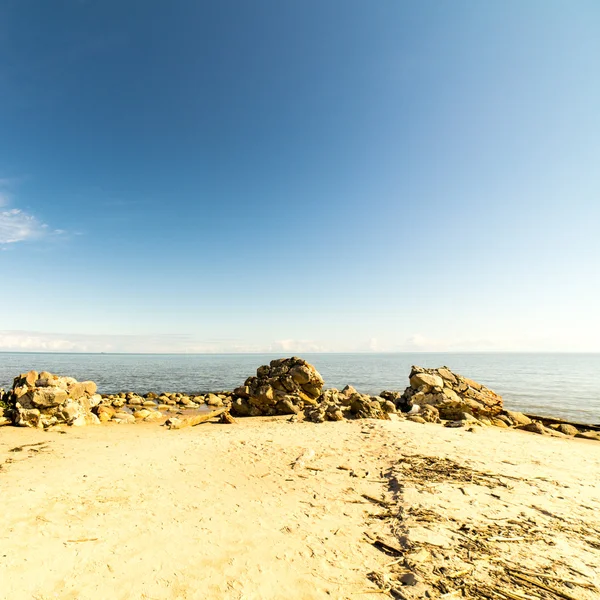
(267, 509)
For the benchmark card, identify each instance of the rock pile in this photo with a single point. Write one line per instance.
(450, 393)
(43, 399)
(283, 387)
(129, 407)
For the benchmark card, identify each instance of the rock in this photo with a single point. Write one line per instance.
(242, 391)
(350, 391)
(367, 407)
(449, 393)
(44, 400)
(388, 406)
(499, 423)
(214, 400)
(45, 397)
(141, 414)
(589, 435)
(416, 419)
(517, 418)
(285, 386)
(430, 414)
(567, 429)
(419, 380)
(402, 404)
(154, 415)
(27, 417)
(124, 418)
(408, 579)
(533, 427)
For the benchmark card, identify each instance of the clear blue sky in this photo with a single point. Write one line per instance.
(324, 175)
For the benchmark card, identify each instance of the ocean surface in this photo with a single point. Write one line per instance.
(559, 385)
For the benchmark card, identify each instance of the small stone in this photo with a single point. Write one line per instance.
(408, 579)
(517, 418)
(567, 429)
(416, 419)
(214, 400)
(534, 427)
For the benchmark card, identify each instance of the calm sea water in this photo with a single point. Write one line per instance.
(560, 385)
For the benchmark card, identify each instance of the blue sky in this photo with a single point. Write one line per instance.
(306, 175)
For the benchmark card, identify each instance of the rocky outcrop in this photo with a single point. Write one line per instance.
(283, 387)
(43, 399)
(450, 393)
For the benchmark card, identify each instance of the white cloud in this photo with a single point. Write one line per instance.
(18, 226)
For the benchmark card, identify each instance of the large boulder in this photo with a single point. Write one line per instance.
(450, 393)
(285, 386)
(43, 399)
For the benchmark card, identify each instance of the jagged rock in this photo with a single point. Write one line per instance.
(285, 386)
(367, 407)
(430, 414)
(44, 399)
(326, 411)
(402, 403)
(449, 392)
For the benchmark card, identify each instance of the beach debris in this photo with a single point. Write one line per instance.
(42, 400)
(177, 423)
(307, 455)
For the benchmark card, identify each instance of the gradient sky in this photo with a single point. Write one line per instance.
(337, 175)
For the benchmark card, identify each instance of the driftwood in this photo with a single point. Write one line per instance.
(175, 423)
(542, 586)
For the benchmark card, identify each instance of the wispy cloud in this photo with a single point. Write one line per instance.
(17, 225)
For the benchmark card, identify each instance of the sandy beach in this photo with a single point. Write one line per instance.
(266, 508)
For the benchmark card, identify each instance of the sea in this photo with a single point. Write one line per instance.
(565, 386)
